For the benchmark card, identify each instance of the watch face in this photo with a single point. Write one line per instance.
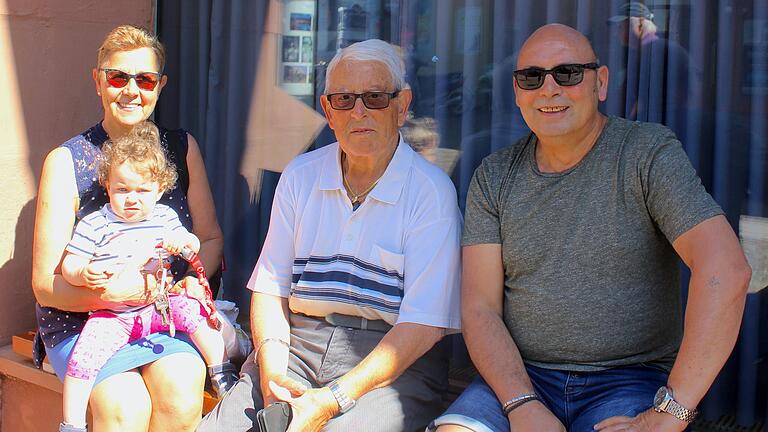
(661, 394)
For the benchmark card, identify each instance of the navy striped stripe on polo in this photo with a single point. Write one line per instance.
(347, 279)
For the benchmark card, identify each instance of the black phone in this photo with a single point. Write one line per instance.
(274, 418)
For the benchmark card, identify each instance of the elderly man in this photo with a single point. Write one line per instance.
(359, 275)
(570, 292)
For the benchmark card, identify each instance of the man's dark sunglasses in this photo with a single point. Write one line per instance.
(144, 80)
(564, 75)
(371, 100)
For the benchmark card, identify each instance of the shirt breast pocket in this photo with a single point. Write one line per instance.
(391, 261)
(392, 266)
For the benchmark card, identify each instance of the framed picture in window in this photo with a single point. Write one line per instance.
(290, 49)
(295, 74)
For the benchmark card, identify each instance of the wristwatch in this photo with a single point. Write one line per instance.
(664, 402)
(345, 402)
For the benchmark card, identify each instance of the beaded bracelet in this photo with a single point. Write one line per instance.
(264, 342)
(514, 403)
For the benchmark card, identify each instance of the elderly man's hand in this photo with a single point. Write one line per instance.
(534, 416)
(311, 410)
(294, 387)
(650, 421)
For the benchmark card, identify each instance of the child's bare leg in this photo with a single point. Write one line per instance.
(189, 316)
(210, 342)
(103, 335)
(77, 391)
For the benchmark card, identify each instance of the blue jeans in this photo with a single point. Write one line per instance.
(579, 399)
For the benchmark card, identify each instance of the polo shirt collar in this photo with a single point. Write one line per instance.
(391, 184)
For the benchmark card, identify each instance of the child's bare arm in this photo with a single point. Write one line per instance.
(78, 271)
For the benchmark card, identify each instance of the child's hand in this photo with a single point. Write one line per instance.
(174, 242)
(94, 278)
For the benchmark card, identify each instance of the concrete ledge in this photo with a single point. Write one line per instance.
(21, 368)
(16, 362)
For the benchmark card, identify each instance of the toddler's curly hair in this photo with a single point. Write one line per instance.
(142, 149)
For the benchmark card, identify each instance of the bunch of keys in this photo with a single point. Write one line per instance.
(162, 303)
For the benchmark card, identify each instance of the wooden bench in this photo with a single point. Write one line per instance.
(21, 364)
(17, 362)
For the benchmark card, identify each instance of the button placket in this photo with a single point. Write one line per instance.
(349, 236)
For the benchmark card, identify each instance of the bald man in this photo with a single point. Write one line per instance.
(571, 303)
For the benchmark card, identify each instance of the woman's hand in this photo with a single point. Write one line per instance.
(131, 287)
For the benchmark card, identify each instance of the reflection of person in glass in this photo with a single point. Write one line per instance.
(359, 273)
(571, 306)
(655, 76)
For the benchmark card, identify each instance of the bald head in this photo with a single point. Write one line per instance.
(560, 109)
(558, 40)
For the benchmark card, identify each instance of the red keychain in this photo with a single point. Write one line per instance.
(197, 265)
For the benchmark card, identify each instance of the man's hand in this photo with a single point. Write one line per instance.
(534, 416)
(94, 278)
(311, 410)
(294, 387)
(646, 421)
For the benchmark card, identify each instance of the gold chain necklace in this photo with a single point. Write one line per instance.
(356, 197)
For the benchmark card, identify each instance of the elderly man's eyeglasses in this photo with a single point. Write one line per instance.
(144, 80)
(564, 75)
(371, 100)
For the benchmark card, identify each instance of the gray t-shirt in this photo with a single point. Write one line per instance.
(591, 278)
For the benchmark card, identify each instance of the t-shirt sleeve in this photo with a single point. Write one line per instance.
(273, 272)
(675, 197)
(84, 239)
(481, 216)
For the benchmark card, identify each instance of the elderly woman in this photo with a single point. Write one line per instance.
(358, 278)
(157, 382)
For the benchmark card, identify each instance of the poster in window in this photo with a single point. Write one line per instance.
(306, 49)
(290, 49)
(301, 22)
(295, 74)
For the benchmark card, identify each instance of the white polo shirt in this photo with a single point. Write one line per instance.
(396, 258)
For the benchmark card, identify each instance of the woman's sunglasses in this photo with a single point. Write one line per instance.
(564, 75)
(144, 80)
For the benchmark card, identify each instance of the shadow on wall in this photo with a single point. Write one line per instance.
(49, 49)
(19, 310)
